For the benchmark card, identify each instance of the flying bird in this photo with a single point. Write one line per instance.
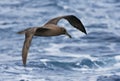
(49, 29)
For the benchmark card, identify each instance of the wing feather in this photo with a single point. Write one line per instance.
(26, 46)
(73, 20)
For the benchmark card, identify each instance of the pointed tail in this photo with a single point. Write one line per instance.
(23, 31)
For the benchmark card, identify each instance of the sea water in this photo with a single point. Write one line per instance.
(82, 58)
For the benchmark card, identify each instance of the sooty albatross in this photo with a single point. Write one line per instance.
(49, 29)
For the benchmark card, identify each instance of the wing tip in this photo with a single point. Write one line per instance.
(85, 31)
(24, 63)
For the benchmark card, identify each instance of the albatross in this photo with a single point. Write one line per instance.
(49, 29)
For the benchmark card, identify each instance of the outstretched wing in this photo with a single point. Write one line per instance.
(73, 20)
(28, 38)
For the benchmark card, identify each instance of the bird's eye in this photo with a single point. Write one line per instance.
(64, 30)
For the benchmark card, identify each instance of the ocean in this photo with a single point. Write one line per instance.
(59, 58)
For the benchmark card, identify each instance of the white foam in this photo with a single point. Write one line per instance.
(44, 61)
(55, 51)
(117, 58)
(27, 77)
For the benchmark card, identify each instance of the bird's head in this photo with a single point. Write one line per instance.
(64, 31)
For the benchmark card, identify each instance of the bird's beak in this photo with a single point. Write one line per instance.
(68, 35)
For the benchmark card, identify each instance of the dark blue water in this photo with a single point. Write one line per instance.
(82, 58)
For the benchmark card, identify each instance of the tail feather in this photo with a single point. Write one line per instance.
(23, 31)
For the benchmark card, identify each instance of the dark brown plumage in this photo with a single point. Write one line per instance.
(49, 29)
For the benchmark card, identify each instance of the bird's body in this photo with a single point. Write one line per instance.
(52, 30)
(49, 29)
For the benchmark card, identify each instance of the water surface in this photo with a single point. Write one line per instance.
(82, 58)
